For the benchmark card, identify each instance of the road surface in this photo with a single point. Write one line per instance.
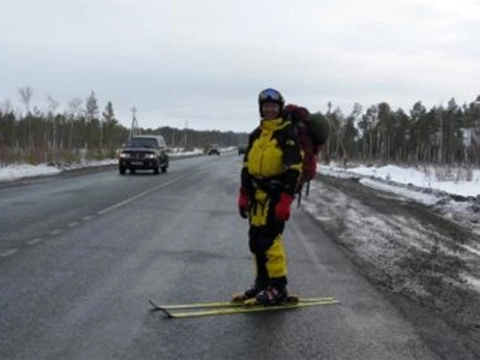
(81, 255)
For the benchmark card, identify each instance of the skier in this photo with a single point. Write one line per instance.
(270, 174)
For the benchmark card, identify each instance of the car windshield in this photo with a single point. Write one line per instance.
(142, 143)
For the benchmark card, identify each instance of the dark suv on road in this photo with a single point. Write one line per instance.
(144, 152)
(214, 150)
(242, 149)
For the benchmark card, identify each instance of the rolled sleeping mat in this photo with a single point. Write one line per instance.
(319, 128)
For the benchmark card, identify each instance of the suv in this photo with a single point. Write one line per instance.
(214, 150)
(144, 152)
(242, 149)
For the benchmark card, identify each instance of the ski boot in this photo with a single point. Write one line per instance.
(248, 294)
(270, 296)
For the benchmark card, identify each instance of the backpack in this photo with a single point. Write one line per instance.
(313, 130)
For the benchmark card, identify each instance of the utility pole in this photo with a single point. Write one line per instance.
(134, 128)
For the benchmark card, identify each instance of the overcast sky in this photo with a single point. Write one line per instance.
(205, 61)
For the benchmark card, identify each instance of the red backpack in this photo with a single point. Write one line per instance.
(313, 131)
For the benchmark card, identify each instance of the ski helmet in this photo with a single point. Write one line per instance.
(270, 95)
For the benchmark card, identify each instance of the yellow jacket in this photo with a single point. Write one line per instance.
(273, 153)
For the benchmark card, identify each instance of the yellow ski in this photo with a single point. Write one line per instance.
(231, 304)
(238, 309)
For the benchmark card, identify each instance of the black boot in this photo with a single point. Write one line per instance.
(249, 293)
(272, 295)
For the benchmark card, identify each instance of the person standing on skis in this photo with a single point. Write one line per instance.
(269, 177)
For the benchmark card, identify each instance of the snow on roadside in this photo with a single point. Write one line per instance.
(20, 171)
(17, 171)
(455, 200)
(411, 177)
(389, 242)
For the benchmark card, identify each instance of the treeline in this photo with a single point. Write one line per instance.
(82, 132)
(189, 139)
(440, 135)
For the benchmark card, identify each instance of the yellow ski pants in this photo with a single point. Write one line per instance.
(266, 242)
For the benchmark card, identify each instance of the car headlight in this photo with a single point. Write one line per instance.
(149, 156)
(125, 155)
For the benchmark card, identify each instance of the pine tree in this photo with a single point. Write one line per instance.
(94, 127)
(384, 117)
(91, 107)
(109, 125)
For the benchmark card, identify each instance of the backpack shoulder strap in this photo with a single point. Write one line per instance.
(287, 138)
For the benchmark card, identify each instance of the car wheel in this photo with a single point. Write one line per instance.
(132, 171)
(164, 169)
(155, 170)
(122, 170)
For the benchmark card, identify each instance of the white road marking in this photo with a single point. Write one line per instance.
(34, 241)
(472, 249)
(73, 224)
(8, 252)
(127, 201)
(86, 218)
(55, 232)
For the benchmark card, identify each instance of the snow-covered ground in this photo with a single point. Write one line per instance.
(20, 171)
(455, 195)
(456, 181)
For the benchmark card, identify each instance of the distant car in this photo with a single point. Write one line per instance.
(242, 149)
(214, 150)
(144, 152)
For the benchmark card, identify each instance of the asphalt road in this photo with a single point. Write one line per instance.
(80, 257)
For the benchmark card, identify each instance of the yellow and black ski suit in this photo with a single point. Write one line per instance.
(272, 165)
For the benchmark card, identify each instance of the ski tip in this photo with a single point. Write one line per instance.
(168, 314)
(156, 307)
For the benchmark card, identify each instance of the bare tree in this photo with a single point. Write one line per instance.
(7, 106)
(26, 94)
(94, 122)
(74, 108)
(52, 108)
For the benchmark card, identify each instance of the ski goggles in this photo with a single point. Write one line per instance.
(270, 94)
